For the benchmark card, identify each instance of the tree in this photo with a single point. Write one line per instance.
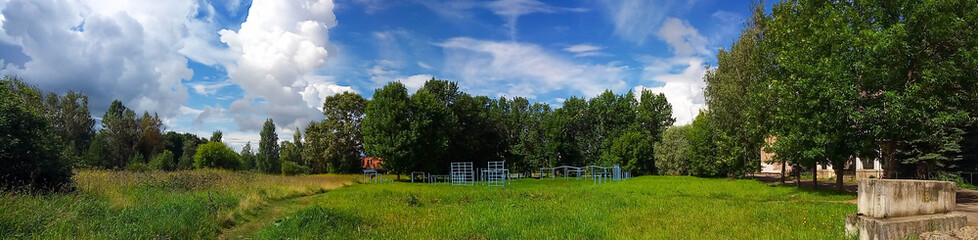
(672, 153)
(703, 146)
(633, 151)
(71, 120)
(339, 136)
(268, 149)
(738, 97)
(29, 158)
(217, 136)
(151, 134)
(216, 155)
(654, 114)
(163, 161)
(248, 158)
(122, 134)
(429, 142)
(387, 130)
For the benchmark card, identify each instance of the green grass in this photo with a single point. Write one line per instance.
(207, 204)
(644, 207)
(153, 205)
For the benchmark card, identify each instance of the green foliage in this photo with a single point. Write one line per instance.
(137, 163)
(29, 156)
(291, 168)
(336, 143)
(268, 149)
(163, 161)
(387, 128)
(216, 155)
(248, 158)
(71, 121)
(672, 153)
(217, 136)
(703, 148)
(150, 134)
(122, 134)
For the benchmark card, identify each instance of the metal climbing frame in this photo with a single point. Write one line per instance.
(496, 173)
(373, 176)
(462, 174)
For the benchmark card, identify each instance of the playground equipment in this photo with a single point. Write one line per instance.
(496, 174)
(374, 176)
(599, 174)
(423, 176)
(462, 174)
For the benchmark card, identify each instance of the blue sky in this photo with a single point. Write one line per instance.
(229, 65)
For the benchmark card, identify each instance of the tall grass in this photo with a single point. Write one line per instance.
(643, 208)
(152, 205)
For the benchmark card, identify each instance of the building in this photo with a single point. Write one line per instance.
(861, 169)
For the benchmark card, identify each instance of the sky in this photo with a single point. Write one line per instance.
(230, 65)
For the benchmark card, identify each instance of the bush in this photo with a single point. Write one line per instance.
(216, 155)
(163, 161)
(292, 168)
(672, 153)
(30, 158)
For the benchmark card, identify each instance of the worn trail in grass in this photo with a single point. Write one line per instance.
(646, 207)
(265, 216)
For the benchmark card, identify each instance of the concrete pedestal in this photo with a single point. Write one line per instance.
(899, 228)
(886, 198)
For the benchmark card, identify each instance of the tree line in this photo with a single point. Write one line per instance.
(830, 81)
(425, 131)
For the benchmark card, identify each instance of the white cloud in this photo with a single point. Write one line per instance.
(682, 38)
(208, 88)
(424, 65)
(683, 88)
(634, 20)
(106, 49)
(521, 69)
(584, 50)
(511, 10)
(278, 50)
(381, 74)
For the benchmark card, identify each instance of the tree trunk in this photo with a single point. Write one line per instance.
(889, 159)
(815, 177)
(840, 172)
(784, 170)
(798, 175)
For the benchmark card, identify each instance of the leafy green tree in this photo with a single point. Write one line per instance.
(71, 120)
(672, 153)
(151, 134)
(268, 149)
(289, 152)
(633, 150)
(216, 155)
(703, 160)
(654, 114)
(29, 158)
(189, 150)
(387, 128)
(217, 136)
(248, 159)
(429, 140)
(163, 161)
(339, 137)
(122, 134)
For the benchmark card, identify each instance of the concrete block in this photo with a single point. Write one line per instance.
(899, 228)
(887, 198)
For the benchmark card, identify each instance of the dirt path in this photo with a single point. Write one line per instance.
(268, 215)
(967, 203)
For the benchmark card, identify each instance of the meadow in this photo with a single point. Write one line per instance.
(195, 204)
(653, 207)
(209, 204)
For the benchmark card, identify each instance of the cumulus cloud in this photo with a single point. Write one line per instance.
(278, 49)
(106, 49)
(683, 39)
(682, 84)
(522, 69)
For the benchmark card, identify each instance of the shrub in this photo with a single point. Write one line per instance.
(163, 161)
(672, 153)
(216, 155)
(30, 158)
(292, 168)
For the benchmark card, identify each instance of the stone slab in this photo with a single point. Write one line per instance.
(899, 228)
(887, 198)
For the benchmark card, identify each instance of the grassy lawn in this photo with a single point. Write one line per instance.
(644, 207)
(212, 204)
(157, 205)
